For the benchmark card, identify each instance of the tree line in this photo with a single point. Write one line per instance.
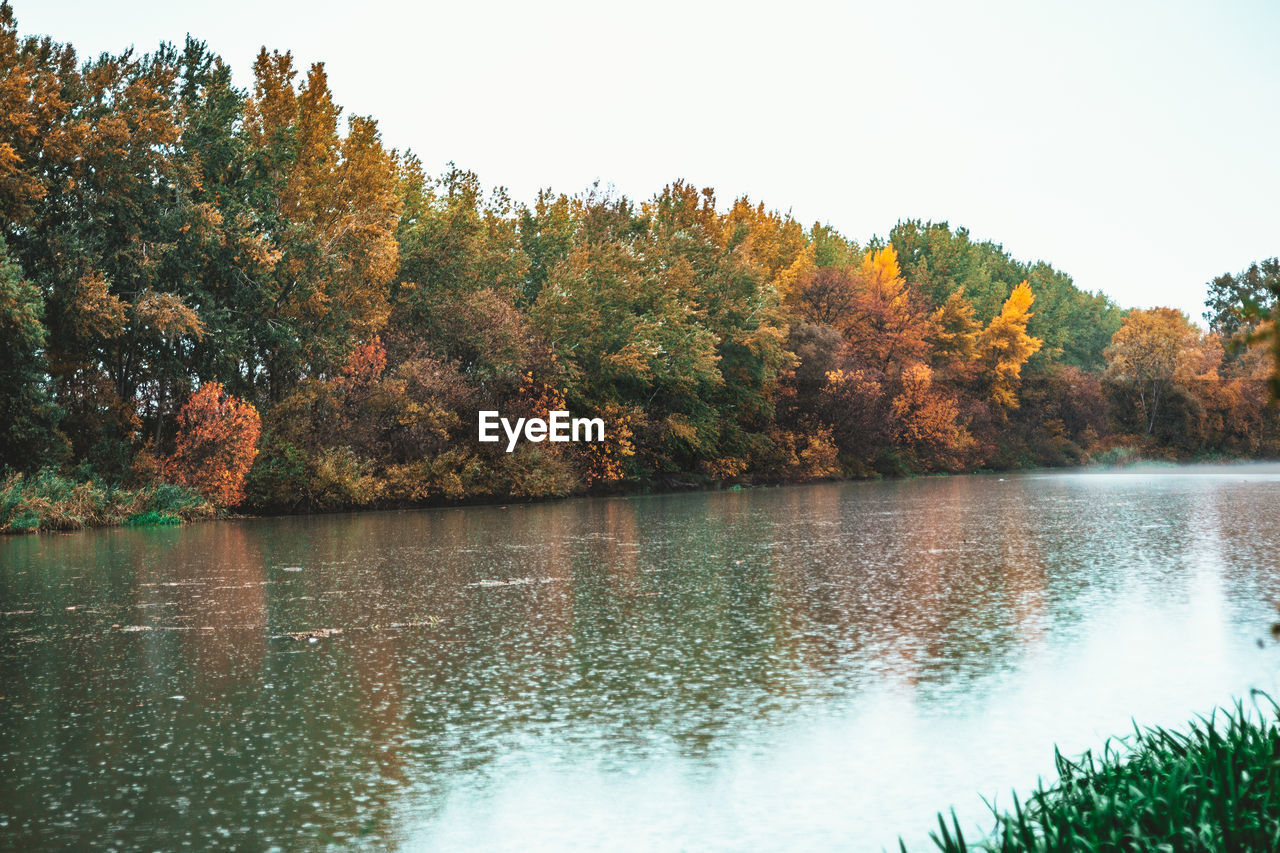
(239, 292)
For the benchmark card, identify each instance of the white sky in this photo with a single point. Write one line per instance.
(1136, 147)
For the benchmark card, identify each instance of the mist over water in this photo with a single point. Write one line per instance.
(793, 668)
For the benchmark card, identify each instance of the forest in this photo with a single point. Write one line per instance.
(213, 297)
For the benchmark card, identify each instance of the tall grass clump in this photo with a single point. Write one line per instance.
(47, 501)
(1214, 787)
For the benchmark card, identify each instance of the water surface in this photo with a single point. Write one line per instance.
(798, 668)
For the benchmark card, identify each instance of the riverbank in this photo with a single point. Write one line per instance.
(1213, 787)
(47, 501)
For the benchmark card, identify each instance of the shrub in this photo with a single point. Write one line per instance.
(532, 472)
(217, 443)
(343, 479)
(48, 500)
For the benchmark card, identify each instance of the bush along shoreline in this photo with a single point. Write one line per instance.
(47, 501)
(1213, 787)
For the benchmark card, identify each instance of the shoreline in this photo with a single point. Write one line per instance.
(158, 517)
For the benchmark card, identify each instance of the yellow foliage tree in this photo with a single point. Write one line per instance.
(955, 331)
(1153, 349)
(1004, 346)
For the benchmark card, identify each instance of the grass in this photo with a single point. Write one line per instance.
(151, 518)
(48, 501)
(1214, 787)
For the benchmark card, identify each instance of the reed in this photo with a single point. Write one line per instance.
(48, 501)
(1215, 786)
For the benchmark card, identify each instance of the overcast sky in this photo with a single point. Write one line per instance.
(1137, 148)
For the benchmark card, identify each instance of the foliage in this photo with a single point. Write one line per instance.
(26, 409)
(1151, 350)
(217, 442)
(1075, 325)
(1212, 787)
(1235, 302)
(152, 518)
(1004, 347)
(47, 501)
(164, 233)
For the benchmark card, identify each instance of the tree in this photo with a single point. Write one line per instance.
(1074, 325)
(336, 206)
(924, 419)
(1152, 350)
(955, 331)
(25, 407)
(1245, 310)
(1235, 302)
(625, 337)
(826, 296)
(888, 326)
(1004, 347)
(217, 442)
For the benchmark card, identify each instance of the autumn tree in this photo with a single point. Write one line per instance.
(624, 339)
(338, 202)
(856, 404)
(774, 244)
(1153, 350)
(1004, 347)
(725, 269)
(924, 419)
(546, 236)
(826, 296)
(888, 324)
(463, 269)
(216, 445)
(1074, 325)
(955, 332)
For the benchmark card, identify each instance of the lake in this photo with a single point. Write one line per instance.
(798, 668)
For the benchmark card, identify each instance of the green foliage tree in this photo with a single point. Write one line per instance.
(25, 406)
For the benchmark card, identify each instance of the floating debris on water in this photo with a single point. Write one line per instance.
(513, 582)
(313, 634)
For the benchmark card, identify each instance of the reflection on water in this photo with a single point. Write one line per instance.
(792, 668)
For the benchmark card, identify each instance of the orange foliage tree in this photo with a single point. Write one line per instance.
(924, 419)
(217, 443)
